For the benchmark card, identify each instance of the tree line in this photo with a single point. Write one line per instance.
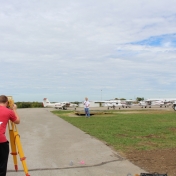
(36, 104)
(29, 104)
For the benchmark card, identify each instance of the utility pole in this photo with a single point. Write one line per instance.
(101, 95)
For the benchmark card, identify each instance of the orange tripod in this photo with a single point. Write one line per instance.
(15, 143)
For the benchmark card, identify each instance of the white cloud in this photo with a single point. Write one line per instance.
(68, 49)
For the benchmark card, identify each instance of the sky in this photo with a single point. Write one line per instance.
(100, 49)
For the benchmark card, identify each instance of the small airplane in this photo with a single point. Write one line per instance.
(113, 104)
(150, 103)
(118, 103)
(127, 103)
(174, 105)
(59, 105)
(156, 102)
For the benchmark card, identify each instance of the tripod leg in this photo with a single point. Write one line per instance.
(20, 151)
(13, 147)
(19, 147)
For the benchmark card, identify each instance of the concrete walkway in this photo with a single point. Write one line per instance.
(50, 144)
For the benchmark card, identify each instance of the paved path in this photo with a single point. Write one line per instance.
(50, 143)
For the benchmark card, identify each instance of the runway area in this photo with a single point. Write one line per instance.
(54, 147)
(134, 107)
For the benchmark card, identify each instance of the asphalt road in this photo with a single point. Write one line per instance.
(54, 147)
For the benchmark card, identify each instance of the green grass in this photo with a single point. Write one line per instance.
(145, 130)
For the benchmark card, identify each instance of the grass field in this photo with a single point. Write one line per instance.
(129, 130)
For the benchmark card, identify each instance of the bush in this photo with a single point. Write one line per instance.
(140, 99)
(29, 104)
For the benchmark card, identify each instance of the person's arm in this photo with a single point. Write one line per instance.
(17, 121)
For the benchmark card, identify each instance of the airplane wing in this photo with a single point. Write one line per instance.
(73, 105)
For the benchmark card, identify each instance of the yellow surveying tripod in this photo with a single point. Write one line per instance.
(15, 142)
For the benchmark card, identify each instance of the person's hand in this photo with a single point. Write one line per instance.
(14, 107)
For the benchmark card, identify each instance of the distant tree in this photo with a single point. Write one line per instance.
(122, 99)
(139, 98)
(75, 102)
(29, 104)
(116, 99)
(36, 104)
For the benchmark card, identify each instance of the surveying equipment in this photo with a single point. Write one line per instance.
(15, 142)
(10, 102)
(154, 174)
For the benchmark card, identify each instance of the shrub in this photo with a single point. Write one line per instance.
(29, 104)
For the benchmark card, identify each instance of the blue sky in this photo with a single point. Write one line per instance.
(168, 40)
(66, 50)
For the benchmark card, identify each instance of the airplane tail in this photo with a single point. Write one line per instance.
(45, 102)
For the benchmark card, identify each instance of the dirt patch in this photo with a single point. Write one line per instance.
(173, 129)
(72, 115)
(161, 161)
(130, 112)
(143, 112)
